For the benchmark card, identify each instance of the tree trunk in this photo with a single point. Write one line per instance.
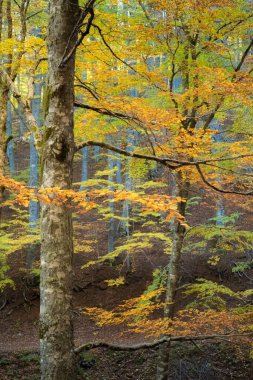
(3, 135)
(10, 147)
(56, 333)
(85, 165)
(4, 95)
(181, 189)
(34, 161)
(111, 222)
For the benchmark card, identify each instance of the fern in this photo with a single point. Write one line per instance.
(241, 266)
(209, 294)
(136, 243)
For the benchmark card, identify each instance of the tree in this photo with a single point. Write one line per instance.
(4, 90)
(56, 332)
(174, 124)
(197, 44)
(56, 155)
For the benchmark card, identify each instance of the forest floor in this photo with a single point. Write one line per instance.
(19, 342)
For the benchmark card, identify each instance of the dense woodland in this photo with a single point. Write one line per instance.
(126, 189)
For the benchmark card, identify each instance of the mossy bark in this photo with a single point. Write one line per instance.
(4, 91)
(56, 333)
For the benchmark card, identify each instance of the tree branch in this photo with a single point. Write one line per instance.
(86, 87)
(238, 68)
(110, 49)
(31, 122)
(116, 347)
(67, 57)
(105, 111)
(16, 3)
(123, 61)
(168, 162)
(34, 14)
(217, 188)
(125, 152)
(244, 56)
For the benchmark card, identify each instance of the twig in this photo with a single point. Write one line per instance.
(34, 14)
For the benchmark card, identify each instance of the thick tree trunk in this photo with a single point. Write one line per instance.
(57, 355)
(178, 231)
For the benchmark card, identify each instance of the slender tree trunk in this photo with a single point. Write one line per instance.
(181, 189)
(6, 61)
(85, 165)
(10, 147)
(34, 161)
(111, 222)
(128, 186)
(2, 132)
(19, 113)
(96, 153)
(3, 135)
(4, 90)
(56, 333)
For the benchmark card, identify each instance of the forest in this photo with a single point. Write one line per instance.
(126, 189)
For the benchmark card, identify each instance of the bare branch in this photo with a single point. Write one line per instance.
(125, 62)
(104, 111)
(145, 12)
(38, 63)
(217, 188)
(116, 347)
(34, 14)
(87, 10)
(124, 152)
(16, 3)
(87, 87)
(244, 56)
(25, 106)
(80, 40)
(111, 51)
(166, 161)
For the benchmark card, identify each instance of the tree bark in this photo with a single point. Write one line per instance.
(3, 136)
(56, 333)
(181, 189)
(4, 90)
